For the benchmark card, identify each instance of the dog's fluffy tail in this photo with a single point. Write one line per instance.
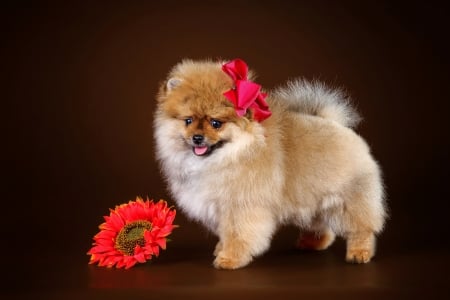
(315, 98)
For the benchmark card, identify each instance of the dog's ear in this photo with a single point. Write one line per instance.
(165, 87)
(173, 83)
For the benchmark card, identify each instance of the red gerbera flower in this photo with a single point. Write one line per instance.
(132, 233)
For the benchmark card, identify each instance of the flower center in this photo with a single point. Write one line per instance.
(132, 234)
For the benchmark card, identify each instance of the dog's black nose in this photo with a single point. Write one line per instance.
(198, 139)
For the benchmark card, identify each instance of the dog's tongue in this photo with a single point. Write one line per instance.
(200, 150)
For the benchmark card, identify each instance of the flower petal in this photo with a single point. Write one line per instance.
(103, 250)
(140, 257)
(161, 243)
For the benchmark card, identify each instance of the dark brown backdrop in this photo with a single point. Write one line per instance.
(78, 87)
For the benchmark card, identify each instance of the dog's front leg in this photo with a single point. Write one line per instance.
(243, 234)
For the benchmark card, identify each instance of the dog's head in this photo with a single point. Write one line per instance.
(192, 100)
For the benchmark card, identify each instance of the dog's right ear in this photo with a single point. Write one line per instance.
(173, 83)
(166, 87)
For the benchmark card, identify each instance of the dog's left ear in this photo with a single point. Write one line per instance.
(173, 83)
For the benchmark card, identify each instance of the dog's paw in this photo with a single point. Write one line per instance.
(218, 248)
(359, 256)
(314, 241)
(231, 263)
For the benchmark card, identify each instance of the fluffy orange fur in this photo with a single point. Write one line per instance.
(304, 165)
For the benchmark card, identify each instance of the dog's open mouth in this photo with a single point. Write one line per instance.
(204, 150)
(200, 150)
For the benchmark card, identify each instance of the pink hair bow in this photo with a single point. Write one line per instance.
(246, 94)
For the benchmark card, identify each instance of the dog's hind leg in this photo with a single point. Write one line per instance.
(362, 217)
(315, 239)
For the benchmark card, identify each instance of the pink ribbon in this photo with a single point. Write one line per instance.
(246, 94)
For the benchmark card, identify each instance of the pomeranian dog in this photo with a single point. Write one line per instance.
(243, 162)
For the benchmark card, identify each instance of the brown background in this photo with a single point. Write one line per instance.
(78, 87)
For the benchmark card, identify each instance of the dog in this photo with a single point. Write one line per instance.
(243, 162)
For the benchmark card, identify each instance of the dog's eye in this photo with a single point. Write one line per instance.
(188, 121)
(216, 123)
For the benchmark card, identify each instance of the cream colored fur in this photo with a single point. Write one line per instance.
(303, 165)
